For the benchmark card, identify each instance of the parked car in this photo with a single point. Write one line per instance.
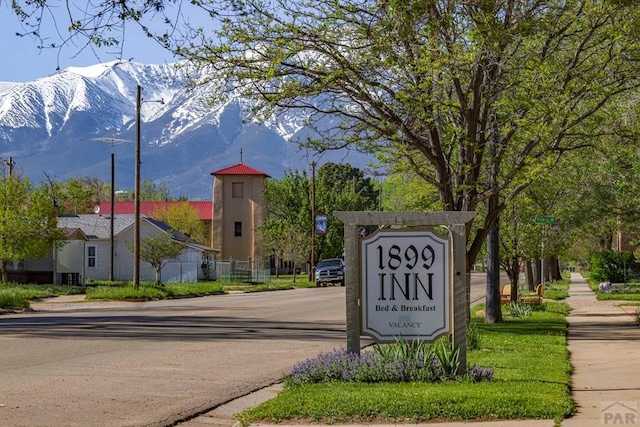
(330, 271)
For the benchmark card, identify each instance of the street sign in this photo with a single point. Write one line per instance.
(406, 282)
(321, 224)
(545, 219)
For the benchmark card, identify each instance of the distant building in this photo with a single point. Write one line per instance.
(233, 218)
(238, 210)
(204, 210)
(86, 255)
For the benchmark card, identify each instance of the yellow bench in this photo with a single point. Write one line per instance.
(505, 294)
(533, 299)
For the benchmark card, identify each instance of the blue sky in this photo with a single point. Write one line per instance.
(21, 60)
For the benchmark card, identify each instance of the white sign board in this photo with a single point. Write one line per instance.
(406, 283)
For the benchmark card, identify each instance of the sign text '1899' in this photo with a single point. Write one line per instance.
(411, 255)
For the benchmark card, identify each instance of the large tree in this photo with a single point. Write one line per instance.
(336, 186)
(479, 97)
(288, 202)
(184, 218)
(458, 90)
(27, 222)
(340, 187)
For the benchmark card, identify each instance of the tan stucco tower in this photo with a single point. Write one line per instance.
(238, 209)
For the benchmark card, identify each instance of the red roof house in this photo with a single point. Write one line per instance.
(204, 208)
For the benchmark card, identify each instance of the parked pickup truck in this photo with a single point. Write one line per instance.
(330, 271)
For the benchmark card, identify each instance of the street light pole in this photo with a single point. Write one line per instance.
(112, 142)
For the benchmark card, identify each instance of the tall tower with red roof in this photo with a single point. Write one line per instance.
(238, 209)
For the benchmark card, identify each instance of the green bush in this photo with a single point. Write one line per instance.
(520, 310)
(612, 266)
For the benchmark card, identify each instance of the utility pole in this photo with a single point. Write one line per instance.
(313, 221)
(136, 212)
(113, 196)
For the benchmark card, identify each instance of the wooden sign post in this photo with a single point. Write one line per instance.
(455, 222)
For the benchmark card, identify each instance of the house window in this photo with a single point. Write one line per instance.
(91, 256)
(16, 265)
(237, 226)
(237, 190)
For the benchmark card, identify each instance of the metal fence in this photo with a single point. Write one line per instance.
(236, 271)
(211, 270)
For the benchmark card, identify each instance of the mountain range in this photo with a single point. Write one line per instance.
(66, 125)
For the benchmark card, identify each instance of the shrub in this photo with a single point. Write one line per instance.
(612, 266)
(401, 361)
(520, 310)
(448, 358)
(15, 299)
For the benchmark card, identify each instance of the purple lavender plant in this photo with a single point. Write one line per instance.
(605, 286)
(478, 373)
(376, 366)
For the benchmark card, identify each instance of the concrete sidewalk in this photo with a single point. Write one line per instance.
(604, 342)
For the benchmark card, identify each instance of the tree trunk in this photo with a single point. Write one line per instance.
(493, 311)
(5, 273)
(294, 272)
(513, 272)
(556, 274)
(528, 269)
(546, 269)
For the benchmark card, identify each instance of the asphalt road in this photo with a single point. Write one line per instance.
(155, 363)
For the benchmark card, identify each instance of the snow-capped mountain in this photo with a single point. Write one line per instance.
(66, 125)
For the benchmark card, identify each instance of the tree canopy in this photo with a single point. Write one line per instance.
(184, 218)
(157, 250)
(27, 222)
(337, 187)
(479, 98)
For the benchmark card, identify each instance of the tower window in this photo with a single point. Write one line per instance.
(237, 228)
(237, 190)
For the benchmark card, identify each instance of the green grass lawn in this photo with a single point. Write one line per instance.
(557, 290)
(532, 376)
(19, 296)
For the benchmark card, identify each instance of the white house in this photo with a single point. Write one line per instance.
(87, 254)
